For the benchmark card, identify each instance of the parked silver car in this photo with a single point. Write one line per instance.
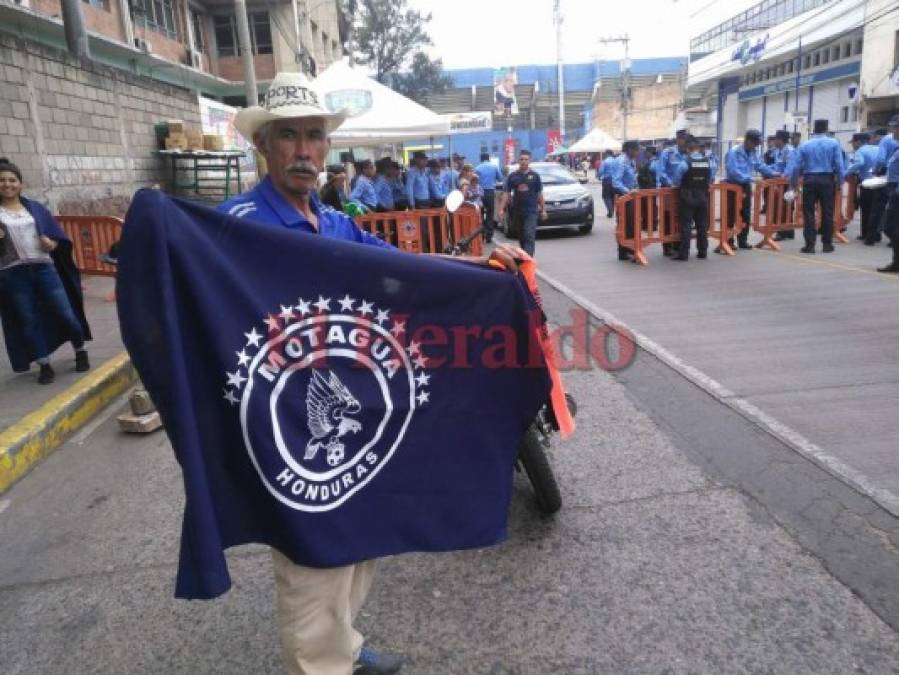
(568, 203)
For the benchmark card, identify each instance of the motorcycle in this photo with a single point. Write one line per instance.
(532, 452)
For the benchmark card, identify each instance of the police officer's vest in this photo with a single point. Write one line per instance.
(697, 174)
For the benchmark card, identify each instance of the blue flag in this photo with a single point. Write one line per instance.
(335, 401)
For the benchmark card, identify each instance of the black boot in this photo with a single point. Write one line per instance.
(81, 362)
(46, 375)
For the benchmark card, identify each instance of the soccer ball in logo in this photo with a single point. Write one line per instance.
(335, 453)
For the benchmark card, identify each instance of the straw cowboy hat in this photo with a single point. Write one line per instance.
(289, 96)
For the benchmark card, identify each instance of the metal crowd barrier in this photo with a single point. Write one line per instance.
(656, 212)
(779, 215)
(424, 230)
(92, 236)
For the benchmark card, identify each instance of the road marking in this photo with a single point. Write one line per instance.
(94, 424)
(805, 258)
(787, 435)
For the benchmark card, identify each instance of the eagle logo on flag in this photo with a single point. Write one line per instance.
(329, 405)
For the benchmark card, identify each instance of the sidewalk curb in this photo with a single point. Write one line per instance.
(785, 434)
(27, 442)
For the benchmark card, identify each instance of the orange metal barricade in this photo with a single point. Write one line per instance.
(656, 212)
(780, 215)
(92, 236)
(424, 230)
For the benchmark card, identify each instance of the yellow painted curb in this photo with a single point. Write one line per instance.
(28, 441)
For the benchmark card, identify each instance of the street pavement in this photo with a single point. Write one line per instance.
(812, 341)
(20, 393)
(657, 563)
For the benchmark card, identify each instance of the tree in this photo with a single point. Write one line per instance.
(424, 77)
(385, 34)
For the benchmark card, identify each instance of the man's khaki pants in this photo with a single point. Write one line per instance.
(316, 610)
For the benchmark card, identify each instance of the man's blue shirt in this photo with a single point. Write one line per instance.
(383, 192)
(669, 160)
(607, 168)
(624, 175)
(783, 160)
(888, 146)
(863, 163)
(893, 169)
(740, 165)
(489, 175)
(364, 192)
(417, 185)
(449, 181)
(435, 185)
(713, 161)
(819, 154)
(264, 204)
(524, 188)
(397, 188)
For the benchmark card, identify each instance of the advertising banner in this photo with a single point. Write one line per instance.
(504, 81)
(469, 122)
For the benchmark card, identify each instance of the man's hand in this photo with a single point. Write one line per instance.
(543, 215)
(47, 244)
(507, 255)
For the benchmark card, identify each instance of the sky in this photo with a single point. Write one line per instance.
(494, 33)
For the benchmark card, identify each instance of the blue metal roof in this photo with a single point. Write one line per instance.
(578, 76)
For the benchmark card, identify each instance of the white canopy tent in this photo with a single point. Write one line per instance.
(596, 141)
(378, 115)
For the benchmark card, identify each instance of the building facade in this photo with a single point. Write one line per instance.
(784, 63)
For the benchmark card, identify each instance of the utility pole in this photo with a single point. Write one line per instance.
(625, 79)
(75, 32)
(557, 19)
(246, 52)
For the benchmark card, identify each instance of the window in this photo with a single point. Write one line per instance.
(260, 33)
(808, 62)
(844, 113)
(325, 52)
(817, 59)
(858, 46)
(835, 55)
(847, 50)
(789, 67)
(225, 38)
(226, 34)
(197, 26)
(826, 56)
(160, 16)
(854, 116)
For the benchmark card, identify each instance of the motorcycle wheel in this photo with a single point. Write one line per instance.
(532, 456)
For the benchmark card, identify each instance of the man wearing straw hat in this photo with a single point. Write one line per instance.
(316, 607)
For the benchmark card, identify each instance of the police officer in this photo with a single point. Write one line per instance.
(671, 158)
(783, 164)
(693, 176)
(605, 176)
(624, 181)
(740, 164)
(862, 166)
(891, 214)
(885, 150)
(820, 164)
(646, 176)
(488, 175)
(364, 189)
(418, 192)
(712, 157)
(382, 186)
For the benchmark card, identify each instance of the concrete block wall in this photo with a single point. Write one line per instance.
(82, 133)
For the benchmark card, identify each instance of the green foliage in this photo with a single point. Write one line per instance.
(424, 77)
(385, 34)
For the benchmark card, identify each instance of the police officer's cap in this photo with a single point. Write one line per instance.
(782, 135)
(419, 154)
(863, 137)
(630, 145)
(894, 121)
(820, 127)
(754, 135)
(882, 131)
(681, 133)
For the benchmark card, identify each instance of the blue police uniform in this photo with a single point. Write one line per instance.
(400, 199)
(669, 160)
(819, 161)
(624, 175)
(862, 164)
(739, 167)
(449, 181)
(604, 174)
(418, 190)
(264, 204)
(435, 188)
(383, 193)
(488, 176)
(364, 192)
(888, 145)
(891, 213)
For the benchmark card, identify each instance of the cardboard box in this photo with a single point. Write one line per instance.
(175, 126)
(177, 143)
(213, 142)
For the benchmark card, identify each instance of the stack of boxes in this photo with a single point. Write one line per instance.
(187, 139)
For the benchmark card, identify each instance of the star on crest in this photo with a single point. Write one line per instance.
(253, 337)
(414, 348)
(323, 304)
(235, 379)
(303, 307)
(399, 327)
(243, 358)
(423, 397)
(287, 313)
(366, 308)
(422, 379)
(230, 397)
(272, 322)
(346, 305)
(421, 362)
(383, 315)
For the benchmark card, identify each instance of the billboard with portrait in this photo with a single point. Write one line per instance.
(504, 81)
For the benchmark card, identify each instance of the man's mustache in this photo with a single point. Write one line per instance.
(303, 167)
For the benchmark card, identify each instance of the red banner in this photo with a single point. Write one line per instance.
(553, 140)
(510, 151)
